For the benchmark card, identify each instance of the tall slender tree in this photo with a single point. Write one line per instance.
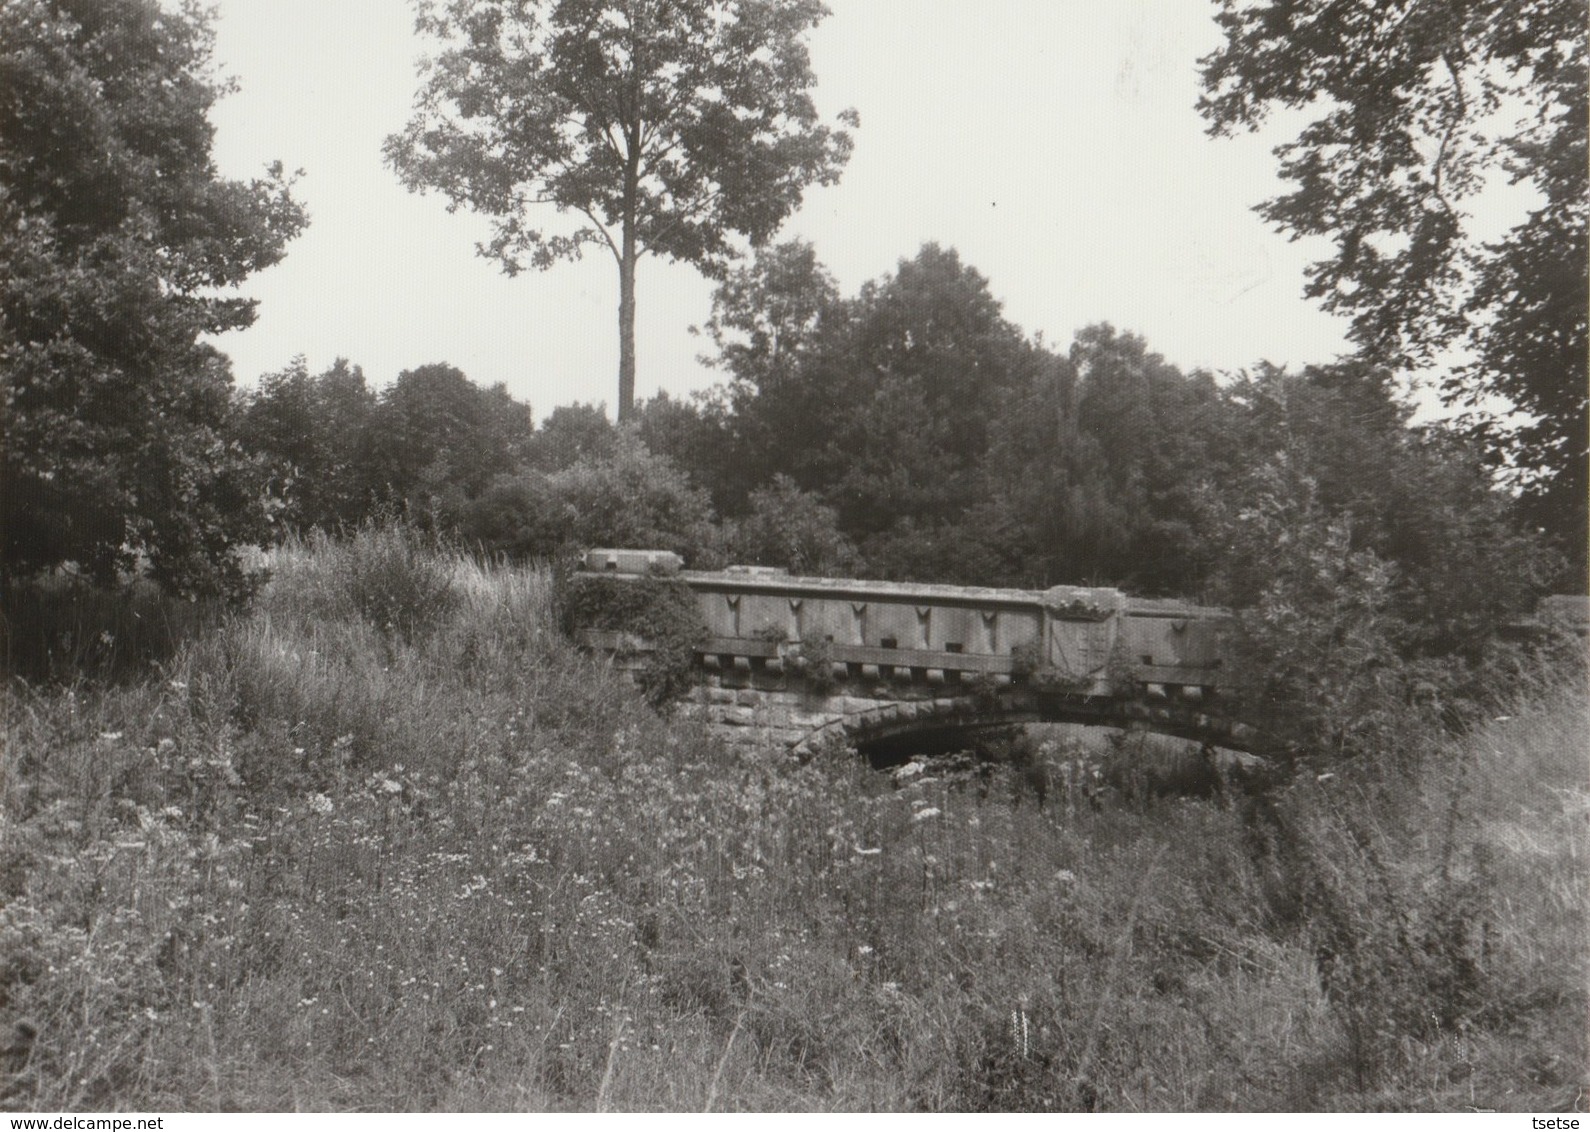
(667, 126)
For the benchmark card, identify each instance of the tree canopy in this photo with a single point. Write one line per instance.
(1417, 107)
(120, 247)
(310, 430)
(668, 126)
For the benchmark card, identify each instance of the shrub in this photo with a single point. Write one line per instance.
(1318, 623)
(793, 529)
(618, 496)
(818, 673)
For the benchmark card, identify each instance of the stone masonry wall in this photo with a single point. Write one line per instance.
(773, 717)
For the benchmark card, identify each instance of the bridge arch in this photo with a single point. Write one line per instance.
(886, 727)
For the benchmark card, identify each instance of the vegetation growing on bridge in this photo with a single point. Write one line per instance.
(658, 613)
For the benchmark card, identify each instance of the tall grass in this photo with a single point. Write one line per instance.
(422, 854)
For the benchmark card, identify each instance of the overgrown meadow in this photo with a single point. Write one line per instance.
(386, 840)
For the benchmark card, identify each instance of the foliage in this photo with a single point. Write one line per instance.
(650, 607)
(963, 552)
(1317, 615)
(790, 528)
(769, 314)
(663, 614)
(1160, 438)
(668, 127)
(778, 333)
(937, 362)
(1098, 465)
(119, 249)
(694, 435)
(436, 438)
(311, 430)
(816, 658)
(1372, 568)
(57, 631)
(623, 497)
(885, 406)
(570, 434)
(339, 455)
(1404, 878)
(394, 581)
(1414, 111)
(1419, 499)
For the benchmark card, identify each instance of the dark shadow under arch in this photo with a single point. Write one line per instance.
(941, 726)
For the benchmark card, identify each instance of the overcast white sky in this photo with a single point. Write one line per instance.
(1053, 143)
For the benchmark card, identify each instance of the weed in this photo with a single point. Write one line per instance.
(818, 669)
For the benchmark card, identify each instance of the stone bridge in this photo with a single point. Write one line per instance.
(894, 668)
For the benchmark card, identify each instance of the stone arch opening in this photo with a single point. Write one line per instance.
(894, 732)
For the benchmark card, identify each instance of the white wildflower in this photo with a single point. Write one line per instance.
(320, 804)
(923, 815)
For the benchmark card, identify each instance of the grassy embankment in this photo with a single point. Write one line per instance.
(388, 841)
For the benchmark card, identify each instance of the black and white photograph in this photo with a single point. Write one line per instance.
(782, 556)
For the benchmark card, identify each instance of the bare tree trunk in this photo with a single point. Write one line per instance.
(626, 330)
(626, 283)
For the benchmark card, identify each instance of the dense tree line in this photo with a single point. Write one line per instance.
(910, 431)
(337, 452)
